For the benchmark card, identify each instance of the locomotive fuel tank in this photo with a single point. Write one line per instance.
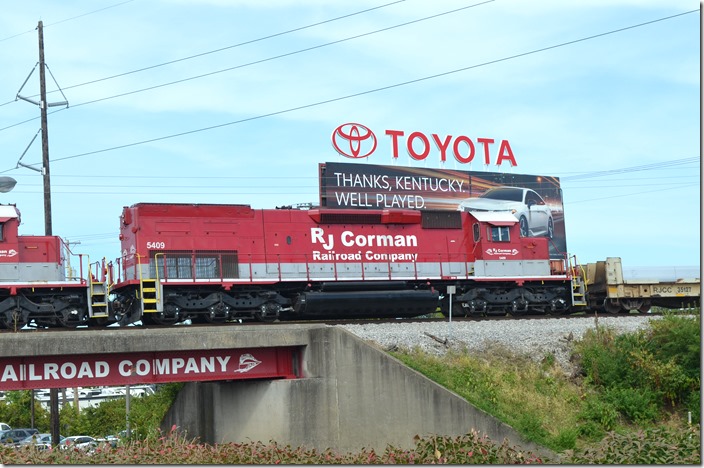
(366, 300)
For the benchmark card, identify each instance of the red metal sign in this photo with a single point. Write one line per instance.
(23, 373)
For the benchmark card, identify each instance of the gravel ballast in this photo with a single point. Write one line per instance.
(534, 338)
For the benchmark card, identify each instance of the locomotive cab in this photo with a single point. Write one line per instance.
(9, 244)
(27, 258)
(501, 251)
(512, 274)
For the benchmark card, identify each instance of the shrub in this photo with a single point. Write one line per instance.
(173, 448)
(646, 447)
(678, 338)
(638, 405)
(600, 415)
(693, 405)
(15, 410)
(642, 373)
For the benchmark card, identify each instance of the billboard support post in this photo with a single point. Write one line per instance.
(450, 292)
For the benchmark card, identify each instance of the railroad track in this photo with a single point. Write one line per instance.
(429, 320)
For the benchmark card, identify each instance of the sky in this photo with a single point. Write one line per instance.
(227, 101)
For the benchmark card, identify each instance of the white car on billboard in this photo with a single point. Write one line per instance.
(533, 214)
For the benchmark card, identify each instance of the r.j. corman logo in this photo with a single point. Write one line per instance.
(495, 251)
(357, 141)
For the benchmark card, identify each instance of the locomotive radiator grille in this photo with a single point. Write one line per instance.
(194, 265)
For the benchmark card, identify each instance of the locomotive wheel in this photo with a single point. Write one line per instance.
(157, 318)
(208, 318)
(261, 317)
(12, 320)
(268, 312)
(72, 320)
(518, 307)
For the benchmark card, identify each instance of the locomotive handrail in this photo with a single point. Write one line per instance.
(251, 273)
(305, 257)
(110, 274)
(278, 265)
(222, 273)
(69, 269)
(191, 267)
(119, 269)
(156, 267)
(581, 272)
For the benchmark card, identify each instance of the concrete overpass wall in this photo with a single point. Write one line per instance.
(353, 396)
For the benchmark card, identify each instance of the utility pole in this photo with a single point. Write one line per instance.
(45, 133)
(43, 105)
(54, 392)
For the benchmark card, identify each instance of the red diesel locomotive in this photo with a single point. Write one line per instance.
(37, 282)
(218, 263)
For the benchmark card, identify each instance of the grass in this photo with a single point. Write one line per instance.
(607, 396)
(534, 398)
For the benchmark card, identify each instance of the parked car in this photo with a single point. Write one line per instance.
(40, 441)
(15, 435)
(113, 440)
(533, 214)
(4, 427)
(86, 443)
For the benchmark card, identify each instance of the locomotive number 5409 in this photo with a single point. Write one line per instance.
(156, 245)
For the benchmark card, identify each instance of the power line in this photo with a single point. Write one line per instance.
(383, 88)
(252, 41)
(314, 179)
(256, 62)
(645, 167)
(631, 194)
(67, 19)
(659, 166)
(375, 90)
(276, 57)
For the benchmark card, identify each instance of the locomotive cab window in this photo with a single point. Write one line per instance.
(499, 234)
(476, 231)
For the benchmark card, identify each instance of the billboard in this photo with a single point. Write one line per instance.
(535, 201)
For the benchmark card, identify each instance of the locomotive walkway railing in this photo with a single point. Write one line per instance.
(69, 265)
(228, 267)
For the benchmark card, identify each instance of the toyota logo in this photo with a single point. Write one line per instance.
(353, 140)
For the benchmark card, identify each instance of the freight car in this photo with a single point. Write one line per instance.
(609, 291)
